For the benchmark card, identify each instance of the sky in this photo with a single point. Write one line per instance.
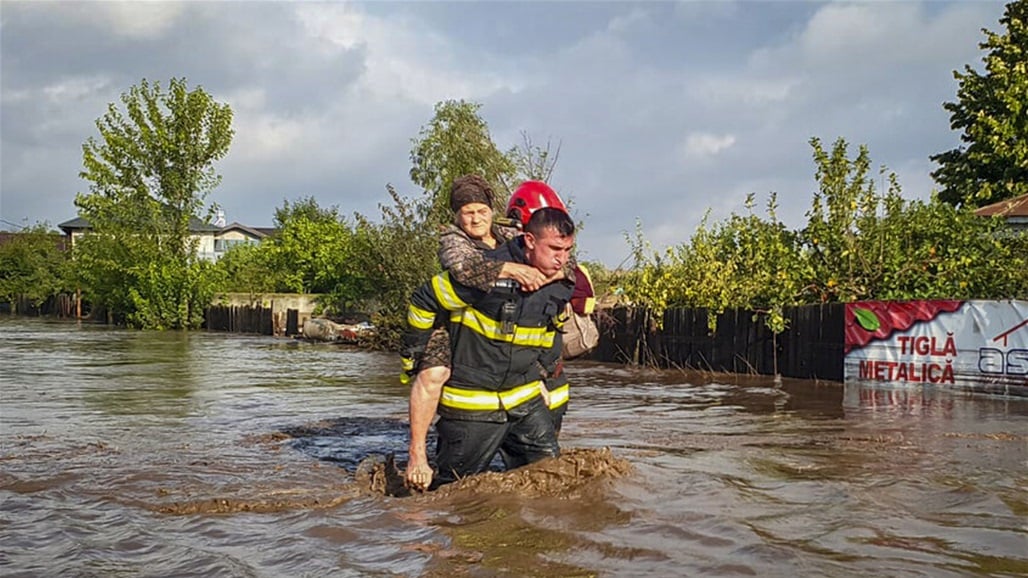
(663, 111)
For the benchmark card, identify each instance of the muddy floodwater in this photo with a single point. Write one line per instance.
(126, 453)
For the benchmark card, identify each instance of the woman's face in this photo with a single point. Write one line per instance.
(476, 219)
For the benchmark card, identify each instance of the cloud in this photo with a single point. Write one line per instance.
(132, 20)
(401, 60)
(699, 145)
(661, 110)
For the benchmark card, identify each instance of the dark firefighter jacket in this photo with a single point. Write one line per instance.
(503, 342)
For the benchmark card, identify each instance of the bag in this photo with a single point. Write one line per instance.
(580, 334)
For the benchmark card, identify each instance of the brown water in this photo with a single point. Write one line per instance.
(169, 454)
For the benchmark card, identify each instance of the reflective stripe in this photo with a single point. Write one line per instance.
(480, 400)
(445, 294)
(562, 318)
(559, 396)
(590, 302)
(490, 328)
(407, 363)
(419, 318)
(590, 305)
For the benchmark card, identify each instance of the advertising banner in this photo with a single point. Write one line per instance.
(979, 346)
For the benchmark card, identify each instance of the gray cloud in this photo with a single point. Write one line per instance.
(663, 110)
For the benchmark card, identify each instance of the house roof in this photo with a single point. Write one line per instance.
(1015, 207)
(74, 224)
(79, 223)
(258, 232)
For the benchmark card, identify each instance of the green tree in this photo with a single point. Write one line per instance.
(841, 221)
(742, 262)
(398, 254)
(33, 266)
(456, 142)
(246, 268)
(992, 115)
(313, 252)
(150, 172)
(862, 244)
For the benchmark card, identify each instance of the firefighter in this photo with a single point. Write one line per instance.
(503, 343)
(530, 197)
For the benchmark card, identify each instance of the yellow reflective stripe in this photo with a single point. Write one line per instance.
(445, 294)
(559, 396)
(490, 328)
(407, 363)
(590, 302)
(419, 318)
(588, 276)
(590, 305)
(481, 400)
(559, 321)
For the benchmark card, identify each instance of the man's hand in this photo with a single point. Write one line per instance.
(545, 393)
(424, 399)
(528, 277)
(419, 473)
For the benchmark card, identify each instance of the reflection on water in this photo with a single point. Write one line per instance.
(142, 453)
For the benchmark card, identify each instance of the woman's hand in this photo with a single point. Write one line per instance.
(528, 277)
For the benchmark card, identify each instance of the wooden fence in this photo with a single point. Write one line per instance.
(60, 305)
(812, 347)
(239, 319)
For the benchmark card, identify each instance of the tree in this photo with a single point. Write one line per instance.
(32, 266)
(398, 254)
(533, 162)
(992, 113)
(456, 142)
(313, 251)
(862, 244)
(150, 172)
(246, 268)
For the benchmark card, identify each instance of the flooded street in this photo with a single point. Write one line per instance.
(126, 453)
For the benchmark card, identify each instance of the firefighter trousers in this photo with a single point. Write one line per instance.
(467, 447)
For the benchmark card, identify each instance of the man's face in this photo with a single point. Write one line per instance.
(548, 251)
(475, 219)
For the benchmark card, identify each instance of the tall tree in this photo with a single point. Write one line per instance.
(992, 113)
(150, 172)
(456, 142)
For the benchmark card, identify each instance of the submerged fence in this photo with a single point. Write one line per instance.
(812, 346)
(60, 305)
(239, 319)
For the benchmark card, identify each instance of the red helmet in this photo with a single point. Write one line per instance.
(529, 198)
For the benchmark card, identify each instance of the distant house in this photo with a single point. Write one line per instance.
(1014, 211)
(212, 240)
(238, 234)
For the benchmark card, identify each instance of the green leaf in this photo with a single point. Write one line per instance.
(867, 319)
